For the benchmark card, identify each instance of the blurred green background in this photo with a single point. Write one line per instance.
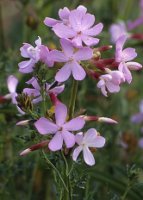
(29, 177)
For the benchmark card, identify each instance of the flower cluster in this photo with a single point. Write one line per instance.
(77, 58)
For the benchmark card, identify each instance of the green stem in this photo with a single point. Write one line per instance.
(67, 195)
(73, 98)
(56, 170)
(44, 99)
(123, 197)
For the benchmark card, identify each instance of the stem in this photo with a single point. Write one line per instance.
(123, 197)
(56, 170)
(68, 195)
(73, 98)
(44, 99)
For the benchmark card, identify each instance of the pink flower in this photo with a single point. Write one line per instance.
(64, 18)
(61, 128)
(36, 90)
(71, 57)
(123, 57)
(80, 28)
(90, 139)
(110, 82)
(117, 30)
(35, 54)
(12, 83)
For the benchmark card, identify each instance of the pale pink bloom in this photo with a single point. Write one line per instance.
(80, 28)
(89, 139)
(138, 117)
(12, 83)
(62, 130)
(71, 57)
(110, 82)
(35, 92)
(63, 15)
(123, 56)
(117, 30)
(34, 54)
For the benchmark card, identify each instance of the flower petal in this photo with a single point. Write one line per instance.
(69, 138)
(74, 124)
(63, 31)
(85, 53)
(31, 92)
(23, 50)
(77, 71)
(60, 114)
(67, 47)
(64, 73)
(58, 56)
(133, 65)
(64, 13)
(50, 21)
(94, 30)
(88, 157)
(87, 21)
(127, 74)
(129, 54)
(45, 126)
(76, 153)
(79, 138)
(12, 82)
(57, 142)
(89, 41)
(92, 139)
(26, 66)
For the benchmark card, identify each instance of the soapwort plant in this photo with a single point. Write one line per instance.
(60, 127)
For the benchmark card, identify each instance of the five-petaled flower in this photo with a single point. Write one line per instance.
(124, 56)
(61, 128)
(89, 139)
(35, 54)
(71, 57)
(35, 92)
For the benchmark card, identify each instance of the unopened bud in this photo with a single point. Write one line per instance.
(107, 120)
(34, 147)
(23, 123)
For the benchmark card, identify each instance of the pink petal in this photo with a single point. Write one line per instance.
(77, 71)
(57, 90)
(26, 66)
(79, 138)
(129, 54)
(57, 142)
(76, 152)
(82, 9)
(69, 138)
(75, 19)
(38, 42)
(120, 42)
(23, 50)
(85, 53)
(60, 114)
(101, 85)
(33, 81)
(127, 74)
(37, 100)
(133, 65)
(64, 73)
(89, 41)
(31, 92)
(63, 31)
(74, 124)
(58, 56)
(45, 126)
(45, 56)
(87, 21)
(92, 139)
(113, 88)
(12, 83)
(77, 41)
(64, 13)
(88, 157)
(50, 21)
(67, 47)
(94, 30)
